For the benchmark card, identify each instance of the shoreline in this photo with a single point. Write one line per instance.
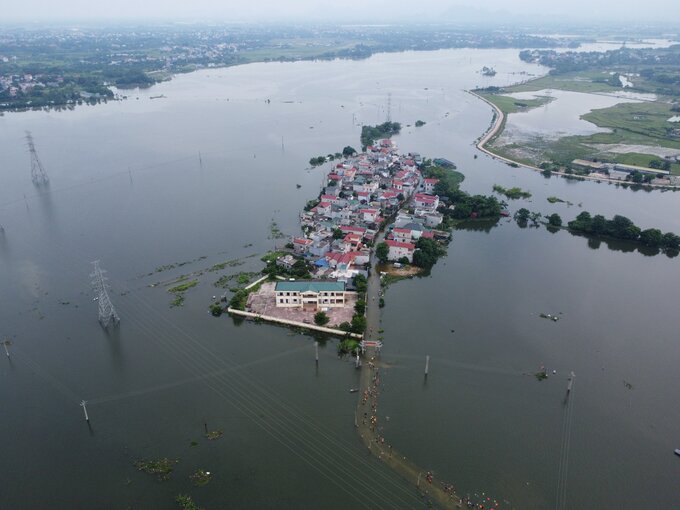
(497, 127)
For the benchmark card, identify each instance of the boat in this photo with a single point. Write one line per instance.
(677, 452)
(354, 390)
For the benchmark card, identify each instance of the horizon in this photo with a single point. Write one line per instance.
(495, 12)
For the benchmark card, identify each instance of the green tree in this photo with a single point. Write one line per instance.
(320, 318)
(554, 220)
(382, 252)
(360, 283)
(522, 217)
(360, 307)
(651, 237)
(338, 234)
(671, 241)
(348, 151)
(358, 324)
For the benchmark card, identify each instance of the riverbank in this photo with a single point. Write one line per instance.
(496, 129)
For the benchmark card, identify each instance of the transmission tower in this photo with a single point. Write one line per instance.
(38, 174)
(107, 313)
(389, 107)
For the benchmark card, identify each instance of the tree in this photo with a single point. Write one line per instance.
(522, 217)
(360, 283)
(671, 241)
(651, 237)
(320, 318)
(382, 252)
(348, 151)
(554, 220)
(360, 307)
(338, 234)
(358, 324)
(427, 252)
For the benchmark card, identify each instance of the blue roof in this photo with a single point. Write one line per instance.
(310, 286)
(321, 263)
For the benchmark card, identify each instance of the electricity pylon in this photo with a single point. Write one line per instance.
(107, 313)
(38, 174)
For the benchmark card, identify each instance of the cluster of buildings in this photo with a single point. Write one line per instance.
(359, 195)
(13, 84)
(621, 172)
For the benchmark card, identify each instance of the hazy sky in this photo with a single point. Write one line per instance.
(359, 11)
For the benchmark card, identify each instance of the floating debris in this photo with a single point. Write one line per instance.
(628, 385)
(553, 318)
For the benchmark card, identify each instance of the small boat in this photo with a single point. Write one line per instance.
(354, 390)
(677, 451)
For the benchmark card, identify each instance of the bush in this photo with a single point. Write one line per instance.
(216, 309)
(321, 319)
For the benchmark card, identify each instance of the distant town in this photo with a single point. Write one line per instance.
(64, 66)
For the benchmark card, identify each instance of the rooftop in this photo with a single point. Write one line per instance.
(310, 286)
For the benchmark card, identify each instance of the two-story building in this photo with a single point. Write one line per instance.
(310, 295)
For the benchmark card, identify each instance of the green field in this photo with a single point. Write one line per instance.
(509, 104)
(580, 81)
(644, 123)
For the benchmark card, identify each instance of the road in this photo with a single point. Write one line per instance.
(431, 490)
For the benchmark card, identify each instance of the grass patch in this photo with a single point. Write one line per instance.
(555, 200)
(508, 104)
(201, 477)
(512, 193)
(578, 81)
(275, 232)
(183, 287)
(213, 435)
(186, 503)
(162, 468)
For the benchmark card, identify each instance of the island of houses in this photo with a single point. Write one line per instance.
(362, 195)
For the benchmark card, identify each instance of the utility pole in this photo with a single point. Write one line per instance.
(38, 174)
(316, 350)
(5, 344)
(389, 107)
(200, 160)
(83, 404)
(107, 313)
(427, 365)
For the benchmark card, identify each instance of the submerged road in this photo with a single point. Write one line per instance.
(431, 490)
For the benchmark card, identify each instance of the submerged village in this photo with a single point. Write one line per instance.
(380, 215)
(378, 199)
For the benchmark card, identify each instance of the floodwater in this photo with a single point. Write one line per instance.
(127, 187)
(558, 118)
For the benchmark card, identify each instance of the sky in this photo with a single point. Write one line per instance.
(358, 11)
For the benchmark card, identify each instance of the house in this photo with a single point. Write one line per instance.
(286, 262)
(310, 295)
(324, 208)
(369, 215)
(428, 202)
(402, 235)
(429, 184)
(398, 250)
(301, 245)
